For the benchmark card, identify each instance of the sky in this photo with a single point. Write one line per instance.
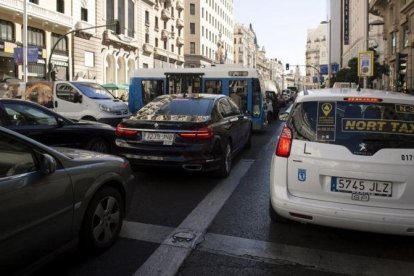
(281, 25)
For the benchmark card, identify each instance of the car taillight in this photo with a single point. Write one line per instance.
(202, 133)
(285, 142)
(122, 130)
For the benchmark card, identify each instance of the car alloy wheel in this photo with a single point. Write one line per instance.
(103, 219)
(98, 145)
(225, 166)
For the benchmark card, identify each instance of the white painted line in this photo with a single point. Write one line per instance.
(265, 252)
(167, 259)
(317, 259)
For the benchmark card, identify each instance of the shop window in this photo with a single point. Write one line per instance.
(38, 70)
(6, 30)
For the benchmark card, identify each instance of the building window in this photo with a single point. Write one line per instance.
(156, 23)
(6, 31)
(121, 15)
(406, 38)
(192, 48)
(145, 65)
(393, 42)
(34, 2)
(146, 38)
(192, 28)
(84, 14)
(62, 46)
(35, 37)
(110, 13)
(165, 25)
(147, 21)
(156, 42)
(172, 47)
(131, 19)
(172, 12)
(60, 6)
(165, 45)
(192, 9)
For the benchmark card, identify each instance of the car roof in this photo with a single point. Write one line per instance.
(336, 94)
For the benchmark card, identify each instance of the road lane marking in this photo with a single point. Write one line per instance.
(169, 256)
(271, 253)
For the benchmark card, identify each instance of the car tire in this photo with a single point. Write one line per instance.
(98, 145)
(249, 140)
(274, 216)
(225, 163)
(103, 220)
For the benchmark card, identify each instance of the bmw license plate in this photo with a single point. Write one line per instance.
(370, 187)
(166, 138)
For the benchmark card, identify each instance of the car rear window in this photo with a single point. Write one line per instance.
(178, 106)
(364, 128)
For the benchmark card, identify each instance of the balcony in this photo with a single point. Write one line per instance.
(180, 5)
(180, 41)
(160, 52)
(83, 25)
(165, 34)
(151, 2)
(148, 48)
(180, 23)
(38, 13)
(166, 14)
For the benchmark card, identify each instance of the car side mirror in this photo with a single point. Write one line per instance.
(60, 122)
(78, 98)
(47, 164)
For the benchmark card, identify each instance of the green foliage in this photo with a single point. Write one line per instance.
(350, 73)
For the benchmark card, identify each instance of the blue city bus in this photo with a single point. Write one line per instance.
(243, 85)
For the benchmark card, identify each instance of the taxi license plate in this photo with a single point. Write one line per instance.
(370, 187)
(166, 138)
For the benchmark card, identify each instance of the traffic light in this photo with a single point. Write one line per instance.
(401, 63)
(117, 27)
(287, 66)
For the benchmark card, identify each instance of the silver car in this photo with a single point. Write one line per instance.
(49, 197)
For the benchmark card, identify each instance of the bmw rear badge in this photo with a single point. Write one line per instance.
(302, 175)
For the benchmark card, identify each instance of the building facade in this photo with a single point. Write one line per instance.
(356, 25)
(398, 29)
(245, 46)
(47, 22)
(316, 55)
(208, 32)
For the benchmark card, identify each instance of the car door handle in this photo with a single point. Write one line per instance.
(233, 120)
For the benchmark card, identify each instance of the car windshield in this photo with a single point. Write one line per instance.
(178, 106)
(93, 91)
(373, 125)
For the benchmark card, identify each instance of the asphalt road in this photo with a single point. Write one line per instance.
(195, 224)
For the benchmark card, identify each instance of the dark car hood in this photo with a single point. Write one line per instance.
(78, 154)
(92, 124)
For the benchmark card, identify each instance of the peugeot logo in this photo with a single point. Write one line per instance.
(362, 147)
(156, 125)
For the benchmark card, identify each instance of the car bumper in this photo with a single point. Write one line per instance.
(113, 121)
(190, 158)
(354, 217)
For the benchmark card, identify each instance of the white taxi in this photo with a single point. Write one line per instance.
(345, 158)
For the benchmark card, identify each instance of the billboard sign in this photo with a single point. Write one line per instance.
(32, 54)
(366, 64)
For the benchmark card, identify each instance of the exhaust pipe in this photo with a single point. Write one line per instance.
(192, 167)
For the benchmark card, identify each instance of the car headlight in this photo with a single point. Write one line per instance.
(105, 108)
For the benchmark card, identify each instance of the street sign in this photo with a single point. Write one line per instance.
(366, 64)
(32, 54)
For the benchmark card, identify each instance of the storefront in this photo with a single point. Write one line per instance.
(7, 65)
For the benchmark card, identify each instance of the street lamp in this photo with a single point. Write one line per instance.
(329, 50)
